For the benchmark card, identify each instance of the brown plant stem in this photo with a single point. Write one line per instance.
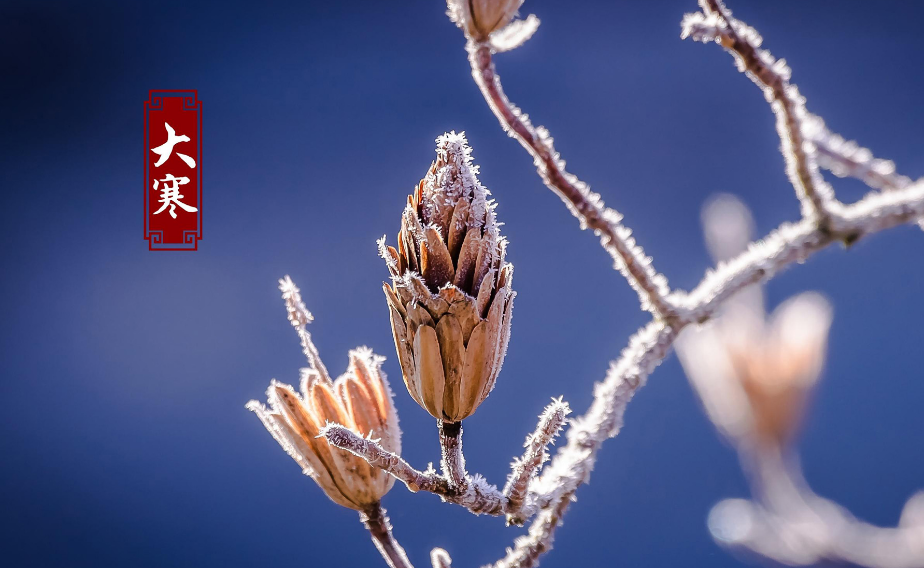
(453, 462)
(789, 106)
(586, 206)
(375, 519)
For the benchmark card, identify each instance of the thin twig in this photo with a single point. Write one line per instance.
(587, 206)
(524, 469)
(300, 317)
(529, 548)
(479, 496)
(772, 75)
(439, 558)
(379, 527)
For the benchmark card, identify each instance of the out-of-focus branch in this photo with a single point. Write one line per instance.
(845, 158)
(795, 526)
(439, 558)
(587, 206)
(787, 245)
(772, 75)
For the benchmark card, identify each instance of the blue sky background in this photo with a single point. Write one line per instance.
(123, 435)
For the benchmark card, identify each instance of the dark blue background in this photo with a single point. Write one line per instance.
(123, 434)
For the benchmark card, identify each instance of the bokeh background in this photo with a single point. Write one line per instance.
(124, 441)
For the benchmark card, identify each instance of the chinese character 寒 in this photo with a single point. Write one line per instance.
(170, 194)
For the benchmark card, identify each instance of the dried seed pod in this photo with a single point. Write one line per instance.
(779, 368)
(360, 399)
(479, 18)
(450, 299)
(755, 376)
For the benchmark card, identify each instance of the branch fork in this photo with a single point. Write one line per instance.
(455, 485)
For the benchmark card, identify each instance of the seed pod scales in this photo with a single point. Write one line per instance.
(450, 298)
(359, 399)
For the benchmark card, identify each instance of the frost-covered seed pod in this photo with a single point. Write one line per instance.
(479, 18)
(451, 297)
(360, 399)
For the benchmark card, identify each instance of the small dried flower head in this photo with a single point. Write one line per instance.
(479, 18)
(360, 399)
(451, 297)
(754, 374)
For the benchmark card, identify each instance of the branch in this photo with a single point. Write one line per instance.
(300, 317)
(787, 245)
(772, 75)
(379, 527)
(797, 527)
(587, 206)
(478, 497)
(528, 548)
(807, 142)
(439, 558)
(524, 469)
(846, 158)
(370, 450)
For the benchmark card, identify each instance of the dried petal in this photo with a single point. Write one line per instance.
(473, 370)
(464, 311)
(493, 336)
(392, 299)
(468, 257)
(484, 295)
(452, 352)
(458, 228)
(429, 369)
(436, 262)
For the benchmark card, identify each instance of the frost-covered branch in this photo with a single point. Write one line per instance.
(820, 146)
(772, 75)
(371, 451)
(439, 558)
(524, 469)
(587, 206)
(527, 549)
(846, 158)
(379, 527)
(300, 317)
(787, 245)
(479, 496)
